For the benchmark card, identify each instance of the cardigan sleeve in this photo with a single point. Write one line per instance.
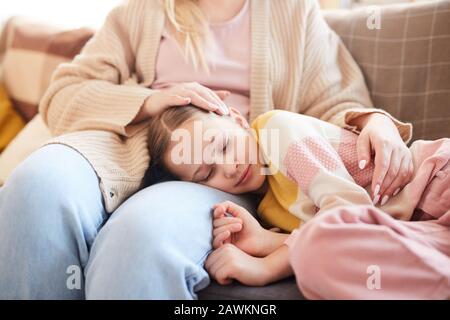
(98, 90)
(333, 86)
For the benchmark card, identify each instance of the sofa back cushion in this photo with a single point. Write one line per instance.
(32, 51)
(406, 62)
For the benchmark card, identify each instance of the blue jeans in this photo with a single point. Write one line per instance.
(57, 241)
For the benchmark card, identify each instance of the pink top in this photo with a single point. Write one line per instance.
(229, 61)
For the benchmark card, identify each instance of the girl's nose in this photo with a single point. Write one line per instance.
(230, 170)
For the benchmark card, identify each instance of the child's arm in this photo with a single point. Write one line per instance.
(278, 264)
(230, 263)
(234, 224)
(320, 173)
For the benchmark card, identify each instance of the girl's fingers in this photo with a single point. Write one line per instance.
(219, 211)
(232, 227)
(220, 239)
(225, 220)
(214, 261)
(212, 257)
(232, 208)
(222, 275)
(219, 267)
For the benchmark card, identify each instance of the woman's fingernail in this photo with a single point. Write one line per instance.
(377, 189)
(225, 110)
(396, 191)
(362, 164)
(384, 200)
(215, 108)
(376, 199)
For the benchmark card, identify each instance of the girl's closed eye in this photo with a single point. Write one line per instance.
(209, 176)
(227, 140)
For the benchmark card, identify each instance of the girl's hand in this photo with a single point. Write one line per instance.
(240, 229)
(181, 95)
(229, 263)
(393, 161)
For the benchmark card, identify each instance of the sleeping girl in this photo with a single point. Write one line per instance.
(302, 169)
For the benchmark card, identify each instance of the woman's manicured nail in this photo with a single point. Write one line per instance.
(377, 190)
(225, 110)
(384, 200)
(376, 199)
(396, 191)
(362, 164)
(215, 108)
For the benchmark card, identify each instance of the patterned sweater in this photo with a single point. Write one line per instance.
(313, 167)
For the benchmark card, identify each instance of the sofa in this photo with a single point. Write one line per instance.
(403, 51)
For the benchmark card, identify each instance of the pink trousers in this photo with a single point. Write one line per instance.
(362, 252)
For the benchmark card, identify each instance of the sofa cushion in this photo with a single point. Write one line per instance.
(406, 62)
(282, 290)
(32, 51)
(28, 140)
(10, 122)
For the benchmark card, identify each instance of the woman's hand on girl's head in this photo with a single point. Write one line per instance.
(183, 94)
(393, 161)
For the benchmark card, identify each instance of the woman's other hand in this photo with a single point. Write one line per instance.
(180, 95)
(393, 161)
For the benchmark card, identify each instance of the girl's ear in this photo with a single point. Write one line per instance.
(239, 118)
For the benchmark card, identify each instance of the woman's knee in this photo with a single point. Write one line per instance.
(163, 233)
(173, 211)
(167, 216)
(53, 181)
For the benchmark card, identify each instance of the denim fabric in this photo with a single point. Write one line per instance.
(54, 228)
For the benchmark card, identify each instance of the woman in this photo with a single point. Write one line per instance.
(55, 208)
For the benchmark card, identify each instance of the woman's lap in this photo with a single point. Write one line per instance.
(163, 235)
(153, 246)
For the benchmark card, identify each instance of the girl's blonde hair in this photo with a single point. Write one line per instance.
(159, 136)
(189, 26)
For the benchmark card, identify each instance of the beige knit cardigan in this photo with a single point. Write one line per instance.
(297, 63)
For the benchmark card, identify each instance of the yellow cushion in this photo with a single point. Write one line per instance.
(10, 121)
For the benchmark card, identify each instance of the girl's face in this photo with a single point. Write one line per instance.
(217, 151)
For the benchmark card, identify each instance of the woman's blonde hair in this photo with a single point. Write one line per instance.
(189, 25)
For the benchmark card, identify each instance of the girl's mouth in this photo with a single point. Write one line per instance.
(245, 176)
